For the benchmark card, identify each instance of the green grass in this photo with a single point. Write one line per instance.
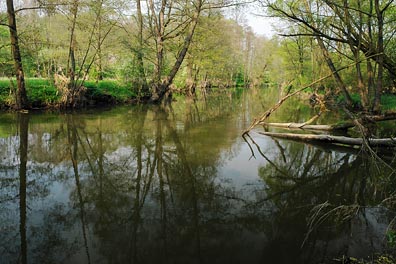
(42, 92)
(388, 102)
(110, 88)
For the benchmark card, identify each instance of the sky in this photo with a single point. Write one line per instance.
(260, 25)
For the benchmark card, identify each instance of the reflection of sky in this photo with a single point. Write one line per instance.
(242, 168)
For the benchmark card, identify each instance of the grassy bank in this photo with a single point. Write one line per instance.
(42, 92)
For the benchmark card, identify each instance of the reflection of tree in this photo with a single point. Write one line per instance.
(149, 198)
(23, 149)
(339, 190)
(73, 150)
(142, 185)
(134, 186)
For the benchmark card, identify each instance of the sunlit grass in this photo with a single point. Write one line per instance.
(42, 92)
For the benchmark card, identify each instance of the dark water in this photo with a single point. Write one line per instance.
(140, 185)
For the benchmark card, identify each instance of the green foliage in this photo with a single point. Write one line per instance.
(355, 99)
(6, 64)
(391, 238)
(239, 79)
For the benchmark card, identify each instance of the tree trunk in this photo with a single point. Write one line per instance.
(161, 87)
(71, 63)
(143, 89)
(329, 61)
(190, 80)
(21, 97)
(380, 57)
(333, 69)
(99, 49)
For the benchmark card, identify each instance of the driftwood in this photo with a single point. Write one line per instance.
(383, 117)
(341, 126)
(384, 142)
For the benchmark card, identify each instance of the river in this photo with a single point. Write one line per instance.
(137, 184)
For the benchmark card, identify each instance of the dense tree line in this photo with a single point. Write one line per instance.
(148, 44)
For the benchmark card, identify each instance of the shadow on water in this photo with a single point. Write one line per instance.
(149, 185)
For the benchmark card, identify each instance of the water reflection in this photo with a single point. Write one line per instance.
(148, 185)
(23, 146)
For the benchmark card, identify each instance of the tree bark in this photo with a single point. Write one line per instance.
(21, 96)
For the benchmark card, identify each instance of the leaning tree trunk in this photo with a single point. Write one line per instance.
(21, 97)
(161, 87)
(330, 62)
(333, 69)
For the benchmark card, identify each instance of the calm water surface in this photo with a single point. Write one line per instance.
(143, 185)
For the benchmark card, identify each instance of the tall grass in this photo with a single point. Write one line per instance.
(42, 92)
(388, 102)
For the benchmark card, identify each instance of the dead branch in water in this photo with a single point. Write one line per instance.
(387, 142)
(341, 126)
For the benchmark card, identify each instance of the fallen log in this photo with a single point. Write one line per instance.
(383, 142)
(391, 115)
(341, 126)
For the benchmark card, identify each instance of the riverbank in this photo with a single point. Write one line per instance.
(43, 94)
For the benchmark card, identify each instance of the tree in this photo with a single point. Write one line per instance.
(350, 30)
(21, 101)
(169, 20)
